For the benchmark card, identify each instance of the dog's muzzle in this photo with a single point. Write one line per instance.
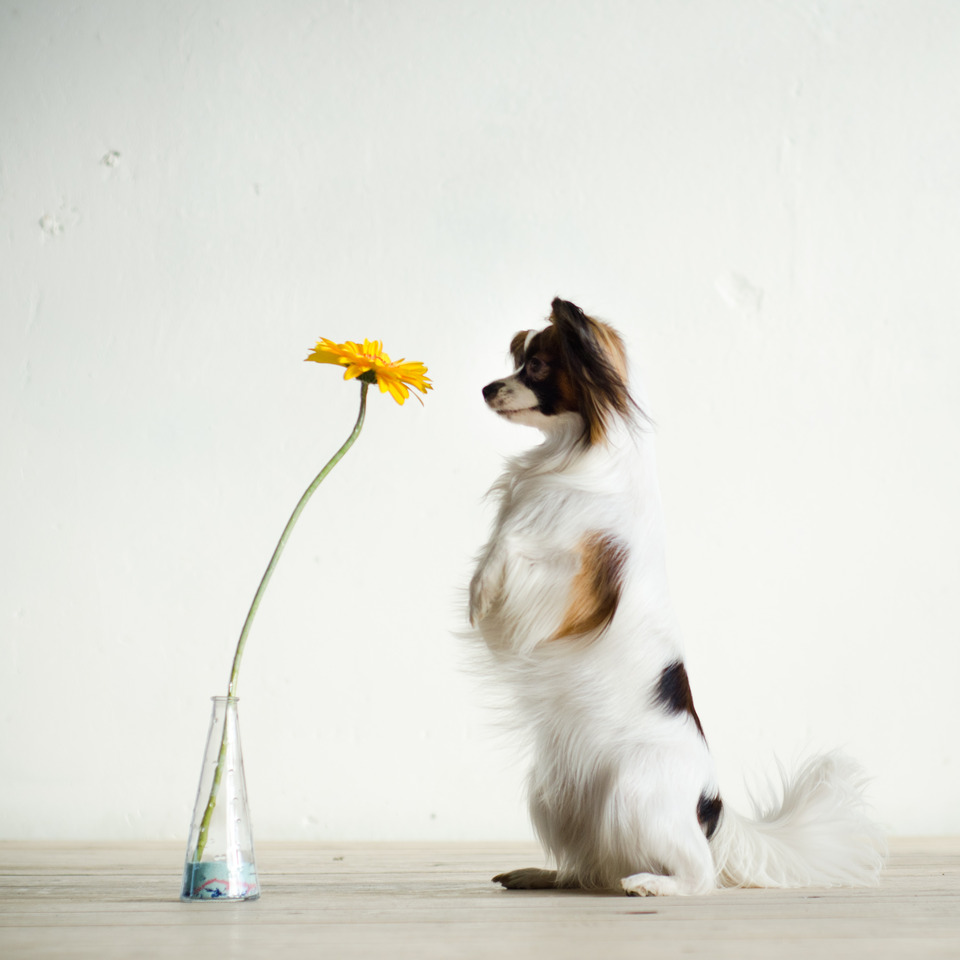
(491, 390)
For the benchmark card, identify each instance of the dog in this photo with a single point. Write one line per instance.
(569, 600)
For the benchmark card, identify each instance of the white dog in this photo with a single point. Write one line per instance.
(570, 599)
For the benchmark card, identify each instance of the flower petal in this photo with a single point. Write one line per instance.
(323, 356)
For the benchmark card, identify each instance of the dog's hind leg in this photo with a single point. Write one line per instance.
(688, 869)
(528, 878)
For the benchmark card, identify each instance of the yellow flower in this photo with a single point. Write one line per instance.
(392, 375)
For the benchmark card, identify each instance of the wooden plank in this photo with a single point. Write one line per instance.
(436, 900)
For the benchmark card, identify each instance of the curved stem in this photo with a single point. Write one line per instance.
(308, 493)
(255, 605)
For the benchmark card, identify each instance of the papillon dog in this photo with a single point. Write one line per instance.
(570, 600)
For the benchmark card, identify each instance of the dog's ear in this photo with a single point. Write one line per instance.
(593, 355)
(518, 347)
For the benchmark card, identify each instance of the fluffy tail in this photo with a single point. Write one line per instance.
(818, 834)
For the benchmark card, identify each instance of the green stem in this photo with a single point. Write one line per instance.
(287, 530)
(258, 596)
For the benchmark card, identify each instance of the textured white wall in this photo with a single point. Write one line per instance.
(763, 196)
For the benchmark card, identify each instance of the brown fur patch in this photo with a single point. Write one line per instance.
(613, 347)
(545, 342)
(595, 591)
(517, 347)
(567, 398)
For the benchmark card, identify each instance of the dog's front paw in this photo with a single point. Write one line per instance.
(528, 878)
(484, 590)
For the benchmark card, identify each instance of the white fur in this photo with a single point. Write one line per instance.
(616, 778)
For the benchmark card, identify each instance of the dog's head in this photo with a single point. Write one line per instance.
(576, 367)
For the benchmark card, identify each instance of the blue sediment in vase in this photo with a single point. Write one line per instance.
(216, 880)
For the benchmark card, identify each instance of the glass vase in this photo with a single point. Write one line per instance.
(220, 863)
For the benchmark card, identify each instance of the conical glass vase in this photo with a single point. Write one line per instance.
(220, 863)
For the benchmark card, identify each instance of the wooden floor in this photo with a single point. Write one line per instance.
(428, 901)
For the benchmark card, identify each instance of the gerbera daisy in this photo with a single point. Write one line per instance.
(393, 376)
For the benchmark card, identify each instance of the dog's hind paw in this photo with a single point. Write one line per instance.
(528, 878)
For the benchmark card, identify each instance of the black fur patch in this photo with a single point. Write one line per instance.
(708, 813)
(673, 692)
(540, 373)
(547, 392)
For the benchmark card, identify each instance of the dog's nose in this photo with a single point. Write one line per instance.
(491, 390)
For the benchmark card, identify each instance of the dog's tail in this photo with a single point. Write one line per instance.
(817, 834)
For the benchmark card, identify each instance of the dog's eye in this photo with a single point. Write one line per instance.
(537, 368)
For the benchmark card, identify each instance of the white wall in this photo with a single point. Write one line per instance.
(763, 196)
